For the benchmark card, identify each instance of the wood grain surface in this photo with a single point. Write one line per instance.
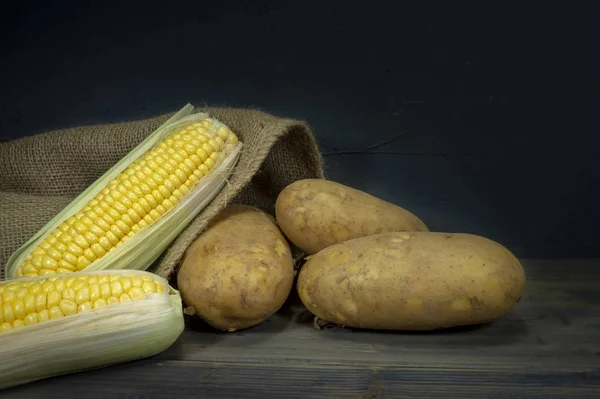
(548, 347)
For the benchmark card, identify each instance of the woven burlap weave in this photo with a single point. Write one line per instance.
(41, 174)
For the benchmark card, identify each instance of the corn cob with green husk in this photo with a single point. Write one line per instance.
(129, 216)
(53, 325)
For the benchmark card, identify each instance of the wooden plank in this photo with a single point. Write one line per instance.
(177, 379)
(548, 347)
(556, 324)
(513, 343)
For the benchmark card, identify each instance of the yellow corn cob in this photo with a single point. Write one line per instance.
(52, 325)
(143, 192)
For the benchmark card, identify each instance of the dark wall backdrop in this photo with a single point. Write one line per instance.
(478, 116)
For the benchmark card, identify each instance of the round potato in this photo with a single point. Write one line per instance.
(316, 213)
(239, 271)
(411, 281)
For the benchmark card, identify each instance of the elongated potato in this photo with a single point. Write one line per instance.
(315, 214)
(239, 271)
(411, 281)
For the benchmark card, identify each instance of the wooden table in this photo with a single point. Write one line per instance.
(548, 347)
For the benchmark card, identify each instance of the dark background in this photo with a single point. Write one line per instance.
(490, 105)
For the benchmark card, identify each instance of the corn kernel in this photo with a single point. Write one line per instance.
(210, 163)
(9, 315)
(119, 207)
(112, 300)
(223, 132)
(90, 238)
(21, 292)
(19, 308)
(82, 263)
(116, 288)
(67, 307)
(149, 287)
(69, 293)
(47, 286)
(54, 253)
(49, 263)
(40, 302)
(55, 313)
(112, 212)
(105, 290)
(18, 324)
(103, 225)
(29, 302)
(79, 227)
(35, 287)
(98, 250)
(85, 306)
(54, 298)
(116, 231)
(153, 215)
(31, 318)
(123, 227)
(136, 292)
(43, 315)
(83, 295)
(167, 204)
(90, 255)
(99, 303)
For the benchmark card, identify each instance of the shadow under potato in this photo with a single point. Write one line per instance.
(503, 331)
(273, 324)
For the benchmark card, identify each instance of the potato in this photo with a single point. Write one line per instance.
(239, 271)
(411, 281)
(315, 214)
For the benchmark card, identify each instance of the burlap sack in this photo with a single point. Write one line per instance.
(41, 174)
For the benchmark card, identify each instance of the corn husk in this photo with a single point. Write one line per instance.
(96, 338)
(144, 247)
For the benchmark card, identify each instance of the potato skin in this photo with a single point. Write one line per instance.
(239, 271)
(316, 213)
(411, 281)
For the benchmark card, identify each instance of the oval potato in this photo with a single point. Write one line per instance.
(316, 213)
(239, 271)
(411, 281)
